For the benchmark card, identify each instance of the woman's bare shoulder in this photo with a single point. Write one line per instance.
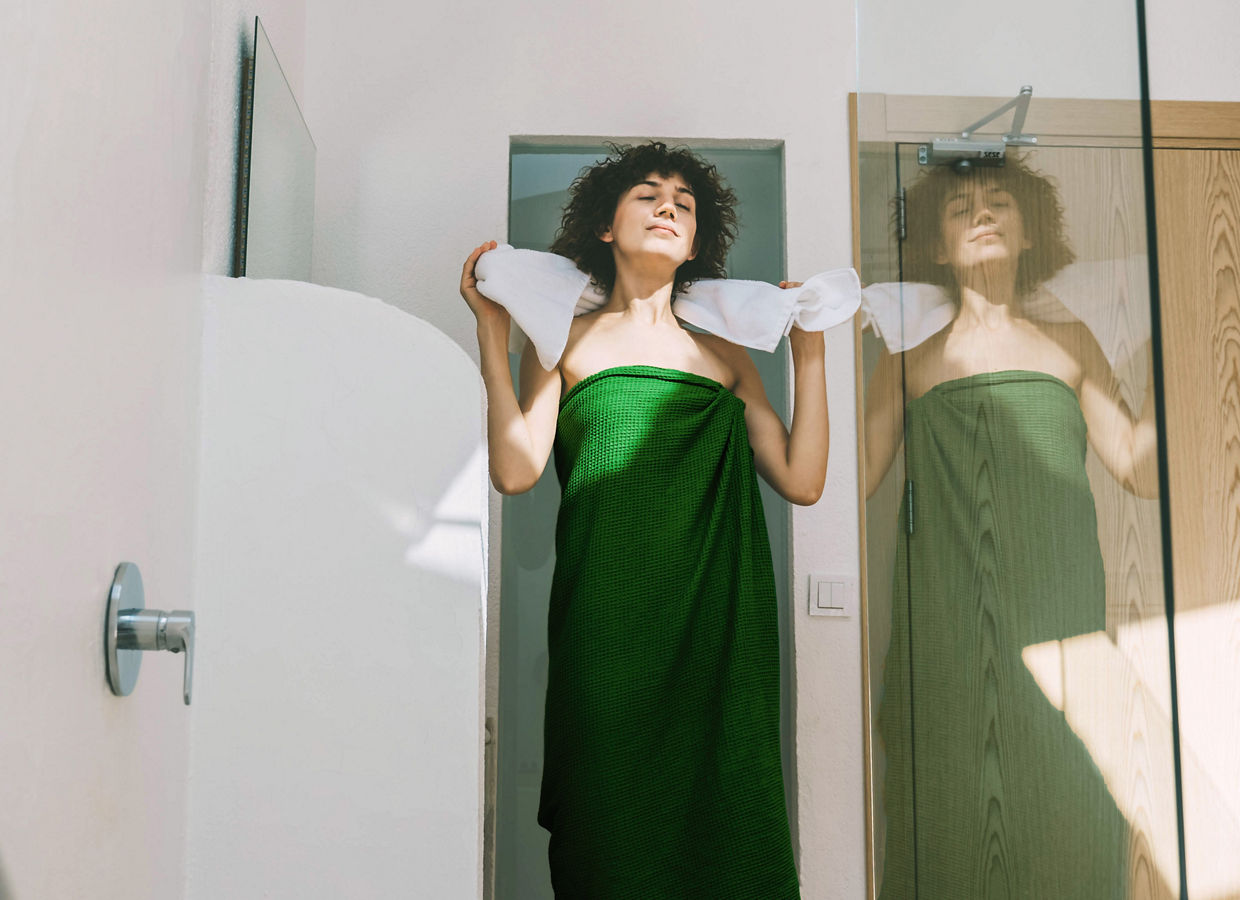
(732, 360)
(1074, 338)
(591, 323)
(721, 348)
(715, 344)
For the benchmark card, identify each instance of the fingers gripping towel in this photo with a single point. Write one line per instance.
(756, 314)
(539, 290)
(544, 291)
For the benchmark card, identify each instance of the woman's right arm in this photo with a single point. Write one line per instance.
(519, 432)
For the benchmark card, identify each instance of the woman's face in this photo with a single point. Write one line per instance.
(656, 216)
(981, 225)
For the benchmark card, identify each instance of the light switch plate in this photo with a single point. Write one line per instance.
(832, 595)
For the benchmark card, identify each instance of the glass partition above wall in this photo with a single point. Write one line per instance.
(275, 178)
(986, 48)
(1021, 737)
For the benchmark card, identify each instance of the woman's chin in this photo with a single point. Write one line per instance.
(990, 264)
(658, 252)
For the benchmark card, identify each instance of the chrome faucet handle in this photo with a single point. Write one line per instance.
(130, 631)
(177, 628)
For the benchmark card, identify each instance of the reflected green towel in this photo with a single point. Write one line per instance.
(988, 793)
(661, 775)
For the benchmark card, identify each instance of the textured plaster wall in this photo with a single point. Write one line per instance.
(102, 163)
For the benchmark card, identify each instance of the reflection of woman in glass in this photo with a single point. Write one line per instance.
(662, 775)
(987, 791)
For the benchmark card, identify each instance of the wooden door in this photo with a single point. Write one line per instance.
(1199, 260)
(1199, 255)
(1109, 686)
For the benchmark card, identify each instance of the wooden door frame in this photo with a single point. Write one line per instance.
(890, 118)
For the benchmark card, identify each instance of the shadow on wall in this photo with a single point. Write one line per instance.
(5, 892)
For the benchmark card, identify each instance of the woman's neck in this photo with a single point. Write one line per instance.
(646, 297)
(988, 299)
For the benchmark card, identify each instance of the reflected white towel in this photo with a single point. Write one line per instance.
(1110, 297)
(543, 292)
(906, 313)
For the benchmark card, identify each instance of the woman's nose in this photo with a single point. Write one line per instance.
(667, 209)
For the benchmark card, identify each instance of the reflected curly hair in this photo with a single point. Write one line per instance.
(1036, 197)
(597, 190)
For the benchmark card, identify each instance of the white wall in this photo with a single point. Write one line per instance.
(1192, 49)
(336, 731)
(1064, 48)
(102, 161)
(412, 106)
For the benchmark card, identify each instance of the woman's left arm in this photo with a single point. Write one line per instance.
(1127, 445)
(793, 462)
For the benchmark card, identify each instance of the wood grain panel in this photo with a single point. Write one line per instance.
(1115, 693)
(877, 260)
(1199, 255)
(867, 704)
(1053, 119)
(1056, 121)
(1117, 702)
(1104, 200)
(1119, 716)
(1199, 258)
(1201, 121)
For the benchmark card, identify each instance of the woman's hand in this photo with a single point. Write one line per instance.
(490, 315)
(519, 432)
(802, 341)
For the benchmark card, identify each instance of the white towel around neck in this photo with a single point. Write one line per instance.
(1109, 297)
(544, 291)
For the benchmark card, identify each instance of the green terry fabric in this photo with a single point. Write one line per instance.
(661, 773)
(988, 793)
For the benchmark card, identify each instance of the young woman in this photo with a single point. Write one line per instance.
(987, 791)
(661, 774)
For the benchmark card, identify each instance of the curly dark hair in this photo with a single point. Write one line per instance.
(1036, 196)
(597, 190)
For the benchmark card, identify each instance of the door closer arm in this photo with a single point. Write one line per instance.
(967, 151)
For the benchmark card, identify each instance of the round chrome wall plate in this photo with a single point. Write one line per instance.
(126, 593)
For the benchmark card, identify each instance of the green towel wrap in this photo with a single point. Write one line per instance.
(988, 793)
(661, 775)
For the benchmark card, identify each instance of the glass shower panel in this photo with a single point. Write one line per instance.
(1021, 738)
